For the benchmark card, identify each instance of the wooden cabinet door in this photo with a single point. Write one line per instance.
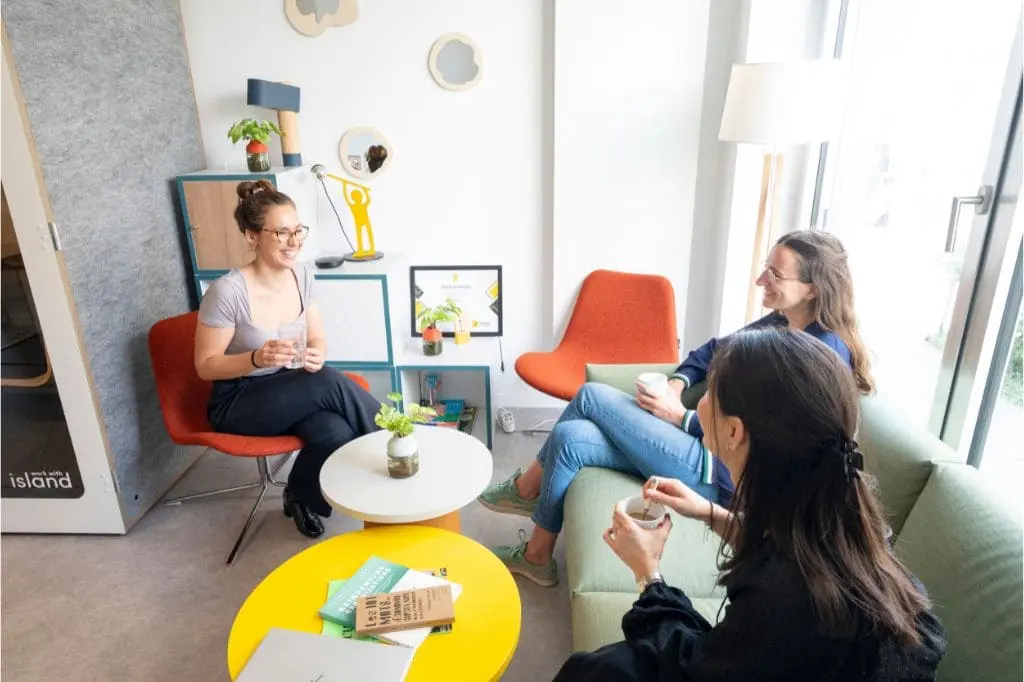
(210, 207)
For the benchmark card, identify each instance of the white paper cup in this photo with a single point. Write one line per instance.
(655, 384)
(635, 505)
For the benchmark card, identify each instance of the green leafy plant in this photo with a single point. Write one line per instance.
(429, 318)
(252, 130)
(400, 423)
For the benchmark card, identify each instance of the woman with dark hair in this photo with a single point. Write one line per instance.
(240, 349)
(807, 285)
(814, 590)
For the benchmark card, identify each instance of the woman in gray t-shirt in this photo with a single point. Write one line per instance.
(249, 343)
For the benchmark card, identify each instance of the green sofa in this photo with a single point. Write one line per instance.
(963, 545)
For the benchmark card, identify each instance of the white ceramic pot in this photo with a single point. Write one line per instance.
(403, 456)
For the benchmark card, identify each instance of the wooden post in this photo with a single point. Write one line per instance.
(288, 122)
(767, 212)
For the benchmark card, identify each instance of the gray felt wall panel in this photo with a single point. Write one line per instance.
(111, 107)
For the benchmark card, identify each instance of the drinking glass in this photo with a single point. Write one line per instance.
(296, 333)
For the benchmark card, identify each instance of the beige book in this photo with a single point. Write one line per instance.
(409, 609)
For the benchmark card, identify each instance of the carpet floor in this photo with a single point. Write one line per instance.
(157, 604)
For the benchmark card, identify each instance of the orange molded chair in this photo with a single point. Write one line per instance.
(183, 397)
(618, 317)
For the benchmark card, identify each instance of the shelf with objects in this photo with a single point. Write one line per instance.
(460, 394)
(455, 320)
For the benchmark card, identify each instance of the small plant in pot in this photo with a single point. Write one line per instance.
(429, 318)
(257, 155)
(403, 451)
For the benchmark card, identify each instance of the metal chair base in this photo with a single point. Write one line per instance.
(266, 481)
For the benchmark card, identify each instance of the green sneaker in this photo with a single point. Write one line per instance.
(514, 558)
(504, 497)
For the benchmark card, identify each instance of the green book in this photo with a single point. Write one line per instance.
(336, 630)
(373, 577)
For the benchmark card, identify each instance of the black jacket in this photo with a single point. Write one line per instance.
(769, 632)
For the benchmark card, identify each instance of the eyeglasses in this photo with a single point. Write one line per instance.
(284, 235)
(774, 276)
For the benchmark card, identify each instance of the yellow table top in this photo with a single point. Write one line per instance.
(487, 614)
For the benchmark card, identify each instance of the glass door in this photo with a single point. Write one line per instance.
(909, 187)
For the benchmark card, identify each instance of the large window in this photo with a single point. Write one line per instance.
(927, 90)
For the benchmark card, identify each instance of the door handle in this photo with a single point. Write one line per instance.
(982, 202)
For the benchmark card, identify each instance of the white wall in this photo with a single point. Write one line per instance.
(727, 35)
(628, 88)
(583, 134)
(466, 185)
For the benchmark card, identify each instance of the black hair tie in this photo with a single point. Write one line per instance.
(849, 450)
(853, 458)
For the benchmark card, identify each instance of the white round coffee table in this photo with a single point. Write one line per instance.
(454, 469)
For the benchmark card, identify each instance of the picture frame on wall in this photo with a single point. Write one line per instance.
(476, 289)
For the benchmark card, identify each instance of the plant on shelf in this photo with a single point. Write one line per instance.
(429, 318)
(257, 155)
(403, 451)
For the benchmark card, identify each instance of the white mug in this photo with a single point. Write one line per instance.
(655, 383)
(635, 505)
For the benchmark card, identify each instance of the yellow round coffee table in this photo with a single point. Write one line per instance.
(488, 613)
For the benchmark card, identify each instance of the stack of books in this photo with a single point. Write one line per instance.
(418, 603)
(454, 414)
(449, 412)
(383, 604)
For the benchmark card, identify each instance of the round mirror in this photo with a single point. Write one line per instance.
(456, 62)
(364, 152)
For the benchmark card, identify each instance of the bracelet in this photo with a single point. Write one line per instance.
(252, 359)
(711, 515)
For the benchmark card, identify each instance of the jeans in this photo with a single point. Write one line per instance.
(604, 427)
(325, 409)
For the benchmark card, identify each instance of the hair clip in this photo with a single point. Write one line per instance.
(853, 459)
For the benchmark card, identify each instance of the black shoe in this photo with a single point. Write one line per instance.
(308, 523)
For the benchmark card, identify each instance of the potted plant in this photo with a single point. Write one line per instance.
(257, 133)
(403, 451)
(429, 318)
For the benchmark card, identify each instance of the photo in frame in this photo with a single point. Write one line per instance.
(476, 289)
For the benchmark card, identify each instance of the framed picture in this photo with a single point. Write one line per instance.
(475, 289)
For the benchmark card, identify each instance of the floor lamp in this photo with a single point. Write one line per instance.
(779, 105)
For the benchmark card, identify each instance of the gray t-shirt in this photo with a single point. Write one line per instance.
(226, 304)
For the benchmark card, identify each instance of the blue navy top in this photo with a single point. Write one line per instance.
(695, 367)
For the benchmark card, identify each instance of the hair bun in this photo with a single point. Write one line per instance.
(248, 189)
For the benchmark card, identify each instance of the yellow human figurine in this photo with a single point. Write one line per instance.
(358, 199)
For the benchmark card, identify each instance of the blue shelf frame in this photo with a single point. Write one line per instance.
(485, 369)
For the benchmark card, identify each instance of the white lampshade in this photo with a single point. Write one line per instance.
(784, 103)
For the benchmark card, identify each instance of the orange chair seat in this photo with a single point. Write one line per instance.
(242, 446)
(557, 373)
(183, 395)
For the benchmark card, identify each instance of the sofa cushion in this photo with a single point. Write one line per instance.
(597, 616)
(689, 562)
(623, 376)
(965, 546)
(899, 455)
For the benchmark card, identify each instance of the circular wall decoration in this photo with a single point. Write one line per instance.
(365, 153)
(313, 17)
(456, 62)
